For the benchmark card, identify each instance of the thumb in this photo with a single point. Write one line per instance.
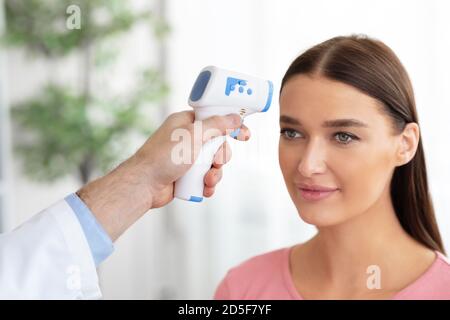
(220, 125)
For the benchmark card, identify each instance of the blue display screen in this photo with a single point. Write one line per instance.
(200, 85)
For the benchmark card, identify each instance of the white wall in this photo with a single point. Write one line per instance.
(183, 250)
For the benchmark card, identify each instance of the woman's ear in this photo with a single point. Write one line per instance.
(409, 140)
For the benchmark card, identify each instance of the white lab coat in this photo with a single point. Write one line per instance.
(48, 257)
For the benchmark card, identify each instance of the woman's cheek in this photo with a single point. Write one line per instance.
(364, 180)
(288, 160)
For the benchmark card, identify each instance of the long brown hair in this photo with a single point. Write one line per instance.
(372, 67)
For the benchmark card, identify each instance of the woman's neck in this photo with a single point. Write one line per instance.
(346, 255)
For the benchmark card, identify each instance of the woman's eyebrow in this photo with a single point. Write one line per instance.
(289, 120)
(336, 123)
(344, 123)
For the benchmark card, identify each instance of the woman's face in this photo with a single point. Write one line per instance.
(357, 158)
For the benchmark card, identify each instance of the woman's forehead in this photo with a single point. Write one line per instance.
(315, 97)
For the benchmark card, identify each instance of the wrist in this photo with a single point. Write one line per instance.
(119, 198)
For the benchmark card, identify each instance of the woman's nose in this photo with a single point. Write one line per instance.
(312, 160)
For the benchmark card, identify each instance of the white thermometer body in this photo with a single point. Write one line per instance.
(220, 92)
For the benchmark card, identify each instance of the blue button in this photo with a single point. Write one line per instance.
(249, 91)
(235, 133)
(241, 89)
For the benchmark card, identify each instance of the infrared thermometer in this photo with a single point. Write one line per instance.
(220, 92)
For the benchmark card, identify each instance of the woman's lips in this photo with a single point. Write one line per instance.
(314, 193)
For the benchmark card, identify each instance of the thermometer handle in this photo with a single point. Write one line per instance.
(190, 186)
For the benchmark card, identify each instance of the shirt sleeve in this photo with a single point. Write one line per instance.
(99, 241)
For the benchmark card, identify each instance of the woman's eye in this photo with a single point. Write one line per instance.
(289, 133)
(345, 138)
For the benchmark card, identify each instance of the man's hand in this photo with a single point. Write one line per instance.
(146, 180)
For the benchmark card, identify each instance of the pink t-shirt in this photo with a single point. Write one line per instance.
(267, 276)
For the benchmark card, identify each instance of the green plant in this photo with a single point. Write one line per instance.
(65, 130)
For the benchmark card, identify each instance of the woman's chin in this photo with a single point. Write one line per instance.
(321, 218)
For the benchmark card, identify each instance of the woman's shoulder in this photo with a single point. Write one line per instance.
(255, 275)
(440, 272)
(433, 284)
(261, 264)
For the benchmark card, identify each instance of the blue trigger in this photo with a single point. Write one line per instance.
(235, 133)
(195, 199)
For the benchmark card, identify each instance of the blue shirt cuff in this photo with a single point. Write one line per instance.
(97, 238)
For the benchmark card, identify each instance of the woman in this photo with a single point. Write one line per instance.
(353, 163)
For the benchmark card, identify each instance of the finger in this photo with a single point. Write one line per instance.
(222, 156)
(220, 125)
(208, 192)
(212, 177)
